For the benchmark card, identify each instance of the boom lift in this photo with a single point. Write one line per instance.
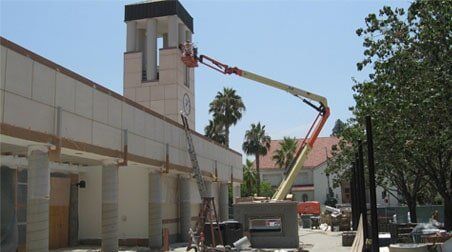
(317, 102)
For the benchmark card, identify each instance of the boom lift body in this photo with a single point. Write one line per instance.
(191, 59)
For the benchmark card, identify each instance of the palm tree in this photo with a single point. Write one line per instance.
(256, 143)
(249, 178)
(227, 109)
(285, 154)
(215, 132)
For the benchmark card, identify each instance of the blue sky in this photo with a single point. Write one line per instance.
(308, 44)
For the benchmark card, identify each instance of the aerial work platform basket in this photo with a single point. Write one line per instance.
(189, 56)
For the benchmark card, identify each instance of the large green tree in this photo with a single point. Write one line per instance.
(408, 94)
(249, 179)
(284, 155)
(256, 143)
(227, 109)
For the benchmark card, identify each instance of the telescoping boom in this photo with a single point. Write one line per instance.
(319, 103)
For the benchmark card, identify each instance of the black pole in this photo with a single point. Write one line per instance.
(373, 194)
(354, 197)
(362, 190)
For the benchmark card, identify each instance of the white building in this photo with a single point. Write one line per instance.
(81, 164)
(312, 182)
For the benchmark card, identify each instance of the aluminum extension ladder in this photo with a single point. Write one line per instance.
(194, 160)
(208, 203)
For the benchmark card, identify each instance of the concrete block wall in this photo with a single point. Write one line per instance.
(31, 92)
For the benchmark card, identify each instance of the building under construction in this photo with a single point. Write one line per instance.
(81, 164)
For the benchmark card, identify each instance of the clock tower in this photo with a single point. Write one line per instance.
(154, 75)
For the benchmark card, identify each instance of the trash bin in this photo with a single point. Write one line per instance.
(315, 222)
(232, 231)
(208, 235)
(306, 220)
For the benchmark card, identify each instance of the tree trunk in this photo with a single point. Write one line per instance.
(226, 135)
(412, 208)
(448, 214)
(258, 179)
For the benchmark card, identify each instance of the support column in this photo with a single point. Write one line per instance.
(188, 35)
(131, 36)
(155, 211)
(110, 182)
(151, 49)
(185, 208)
(235, 191)
(223, 199)
(182, 33)
(141, 45)
(38, 198)
(173, 31)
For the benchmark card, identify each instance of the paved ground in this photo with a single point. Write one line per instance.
(310, 240)
(319, 241)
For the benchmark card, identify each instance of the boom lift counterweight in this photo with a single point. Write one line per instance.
(191, 59)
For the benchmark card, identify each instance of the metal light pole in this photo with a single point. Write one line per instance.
(372, 186)
(362, 189)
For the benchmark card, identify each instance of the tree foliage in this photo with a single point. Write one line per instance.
(215, 132)
(256, 143)
(227, 109)
(339, 126)
(408, 95)
(284, 155)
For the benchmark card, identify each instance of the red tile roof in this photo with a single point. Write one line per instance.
(316, 157)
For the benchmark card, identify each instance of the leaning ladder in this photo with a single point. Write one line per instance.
(208, 203)
(194, 160)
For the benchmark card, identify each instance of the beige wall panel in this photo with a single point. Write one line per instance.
(90, 204)
(174, 154)
(167, 77)
(26, 113)
(76, 127)
(171, 107)
(133, 63)
(133, 202)
(130, 92)
(157, 93)
(158, 106)
(127, 117)
(84, 100)
(106, 136)
(136, 144)
(143, 94)
(18, 73)
(171, 91)
(114, 112)
(65, 92)
(3, 52)
(100, 106)
(168, 61)
(149, 124)
(159, 131)
(44, 80)
(154, 149)
(138, 123)
(168, 130)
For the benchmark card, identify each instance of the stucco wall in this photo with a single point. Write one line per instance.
(90, 204)
(133, 202)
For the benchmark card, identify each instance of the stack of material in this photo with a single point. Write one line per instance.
(401, 233)
(326, 218)
(344, 222)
